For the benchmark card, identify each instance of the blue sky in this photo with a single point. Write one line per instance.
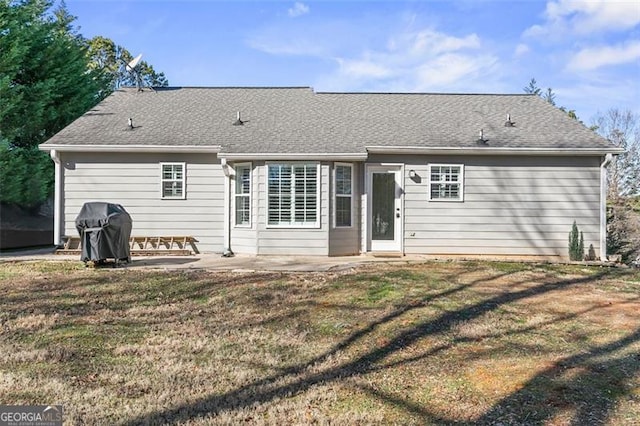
(588, 52)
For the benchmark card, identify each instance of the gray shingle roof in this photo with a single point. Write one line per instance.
(297, 120)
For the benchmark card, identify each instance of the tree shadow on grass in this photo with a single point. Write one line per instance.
(82, 295)
(299, 378)
(591, 394)
(583, 383)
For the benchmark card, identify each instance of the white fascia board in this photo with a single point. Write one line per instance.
(210, 149)
(294, 156)
(491, 151)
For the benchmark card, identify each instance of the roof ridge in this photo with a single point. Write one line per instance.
(425, 93)
(228, 87)
(332, 92)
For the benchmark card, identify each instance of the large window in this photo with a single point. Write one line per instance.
(343, 184)
(293, 195)
(446, 182)
(172, 180)
(243, 195)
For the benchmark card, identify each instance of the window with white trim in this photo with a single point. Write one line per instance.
(343, 195)
(446, 182)
(293, 192)
(173, 180)
(243, 195)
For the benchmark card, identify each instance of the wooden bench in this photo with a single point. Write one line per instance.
(142, 246)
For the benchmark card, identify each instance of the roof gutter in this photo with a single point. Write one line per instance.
(491, 150)
(294, 156)
(187, 149)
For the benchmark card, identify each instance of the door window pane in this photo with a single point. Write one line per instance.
(383, 206)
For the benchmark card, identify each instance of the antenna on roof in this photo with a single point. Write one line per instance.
(134, 63)
(133, 68)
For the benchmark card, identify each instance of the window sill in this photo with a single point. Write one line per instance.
(313, 226)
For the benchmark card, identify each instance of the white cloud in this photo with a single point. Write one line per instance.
(298, 9)
(521, 49)
(364, 68)
(447, 71)
(290, 47)
(430, 41)
(589, 96)
(596, 57)
(419, 59)
(586, 17)
(426, 60)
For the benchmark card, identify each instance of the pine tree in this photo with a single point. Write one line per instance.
(576, 243)
(44, 85)
(47, 79)
(44, 82)
(581, 247)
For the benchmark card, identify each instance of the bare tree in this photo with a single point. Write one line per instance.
(622, 128)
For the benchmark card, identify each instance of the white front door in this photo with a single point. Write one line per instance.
(384, 212)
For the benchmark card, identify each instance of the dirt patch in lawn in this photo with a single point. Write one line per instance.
(431, 343)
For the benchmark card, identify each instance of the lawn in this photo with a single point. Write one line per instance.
(423, 343)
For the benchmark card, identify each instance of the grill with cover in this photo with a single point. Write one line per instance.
(104, 229)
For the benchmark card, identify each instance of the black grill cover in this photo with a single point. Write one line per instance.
(105, 229)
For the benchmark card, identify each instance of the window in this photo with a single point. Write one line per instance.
(243, 195)
(445, 182)
(173, 181)
(343, 184)
(293, 195)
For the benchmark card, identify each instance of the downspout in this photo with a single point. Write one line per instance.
(57, 198)
(227, 252)
(603, 206)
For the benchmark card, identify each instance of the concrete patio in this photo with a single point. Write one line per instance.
(214, 261)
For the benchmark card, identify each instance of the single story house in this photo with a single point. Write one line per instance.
(290, 171)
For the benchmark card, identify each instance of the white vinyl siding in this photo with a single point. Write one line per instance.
(173, 181)
(343, 197)
(513, 206)
(132, 181)
(293, 195)
(243, 195)
(446, 182)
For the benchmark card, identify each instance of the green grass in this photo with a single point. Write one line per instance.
(510, 267)
(428, 343)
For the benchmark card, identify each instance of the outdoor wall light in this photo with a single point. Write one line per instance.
(412, 174)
